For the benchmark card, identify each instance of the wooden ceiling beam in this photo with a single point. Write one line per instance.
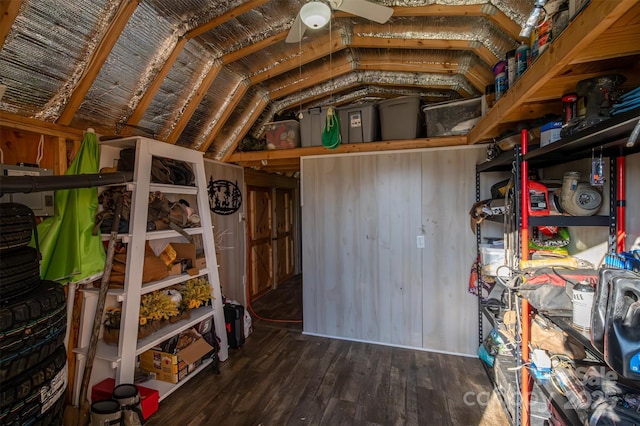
(227, 16)
(253, 48)
(337, 69)
(258, 106)
(151, 91)
(312, 51)
(490, 12)
(206, 84)
(224, 116)
(434, 65)
(479, 77)
(400, 43)
(192, 104)
(100, 55)
(9, 10)
(345, 66)
(18, 122)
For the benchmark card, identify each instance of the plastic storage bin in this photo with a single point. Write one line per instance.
(312, 126)
(359, 123)
(491, 258)
(453, 117)
(283, 134)
(400, 118)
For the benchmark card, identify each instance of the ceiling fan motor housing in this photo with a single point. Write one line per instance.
(315, 14)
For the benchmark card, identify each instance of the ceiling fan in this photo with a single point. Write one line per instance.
(316, 14)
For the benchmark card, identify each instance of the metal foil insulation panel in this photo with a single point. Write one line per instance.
(250, 27)
(186, 73)
(455, 81)
(351, 80)
(267, 58)
(468, 28)
(231, 131)
(140, 41)
(192, 13)
(213, 104)
(311, 70)
(446, 61)
(278, 53)
(46, 51)
(377, 93)
(514, 9)
(234, 96)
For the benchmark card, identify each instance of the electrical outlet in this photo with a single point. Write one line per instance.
(420, 241)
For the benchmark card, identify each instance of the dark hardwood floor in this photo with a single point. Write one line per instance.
(282, 377)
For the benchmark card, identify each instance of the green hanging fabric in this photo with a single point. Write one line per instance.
(70, 253)
(331, 133)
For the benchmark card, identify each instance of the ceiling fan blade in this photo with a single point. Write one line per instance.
(366, 9)
(297, 31)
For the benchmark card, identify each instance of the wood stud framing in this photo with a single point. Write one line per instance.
(539, 88)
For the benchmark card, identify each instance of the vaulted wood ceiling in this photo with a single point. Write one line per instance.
(206, 74)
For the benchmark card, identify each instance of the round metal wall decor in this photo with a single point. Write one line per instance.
(225, 197)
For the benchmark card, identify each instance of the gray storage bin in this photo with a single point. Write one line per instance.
(312, 126)
(401, 118)
(359, 123)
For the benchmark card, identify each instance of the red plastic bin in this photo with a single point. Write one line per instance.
(149, 398)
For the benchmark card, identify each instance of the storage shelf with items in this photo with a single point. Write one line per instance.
(151, 261)
(599, 41)
(612, 136)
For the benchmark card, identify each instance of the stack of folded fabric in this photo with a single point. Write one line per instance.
(626, 102)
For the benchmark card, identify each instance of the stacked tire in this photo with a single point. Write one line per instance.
(33, 322)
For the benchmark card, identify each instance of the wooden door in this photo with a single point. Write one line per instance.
(260, 254)
(284, 255)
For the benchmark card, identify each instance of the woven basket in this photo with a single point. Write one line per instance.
(112, 335)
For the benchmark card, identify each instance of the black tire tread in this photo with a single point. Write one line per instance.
(22, 351)
(31, 328)
(16, 225)
(20, 397)
(19, 272)
(46, 298)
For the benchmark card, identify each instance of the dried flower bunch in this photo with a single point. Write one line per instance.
(155, 306)
(112, 317)
(195, 292)
(163, 304)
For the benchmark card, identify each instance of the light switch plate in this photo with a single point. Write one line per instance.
(420, 241)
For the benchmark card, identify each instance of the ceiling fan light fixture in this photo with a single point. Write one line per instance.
(315, 14)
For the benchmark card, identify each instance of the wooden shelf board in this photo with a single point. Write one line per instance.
(585, 30)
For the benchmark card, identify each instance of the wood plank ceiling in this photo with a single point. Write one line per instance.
(207, 74)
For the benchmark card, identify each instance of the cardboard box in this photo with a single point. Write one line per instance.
(149, 398)
(182, 255)
(550, 133)
(170, 367)
(201, 263)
